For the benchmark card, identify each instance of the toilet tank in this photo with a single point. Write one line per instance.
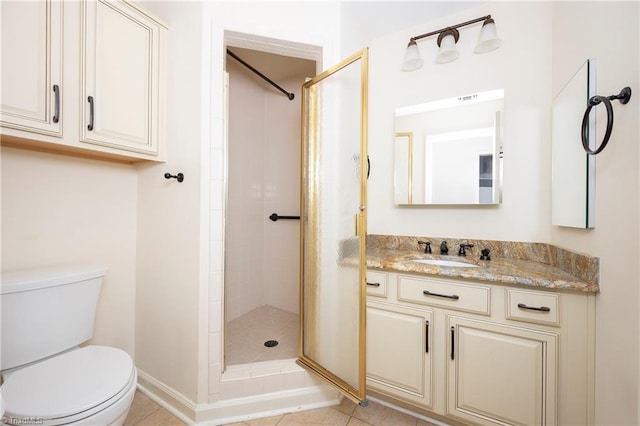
(45, 311)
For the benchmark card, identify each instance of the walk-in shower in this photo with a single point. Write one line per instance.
(263, 177)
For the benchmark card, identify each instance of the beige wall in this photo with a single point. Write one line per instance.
(170, 219)
(58, 209)
(522, 68)
(579, 34)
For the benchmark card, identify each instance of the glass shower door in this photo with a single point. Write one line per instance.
(333, 225)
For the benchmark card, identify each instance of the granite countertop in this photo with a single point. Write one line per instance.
(557, 269)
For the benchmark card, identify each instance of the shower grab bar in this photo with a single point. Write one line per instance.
(274, 217)
(264, 77)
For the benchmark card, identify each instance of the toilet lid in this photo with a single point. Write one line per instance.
(67, 384)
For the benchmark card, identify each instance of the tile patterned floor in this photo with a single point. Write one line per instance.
(246, 335)
(145, 412)
(345, 414)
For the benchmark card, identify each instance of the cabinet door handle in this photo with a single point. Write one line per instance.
(373, 284)
(426, 345)
(534, 308)
(446, 296)
(453, 339)
(56, 112)
(90, 126)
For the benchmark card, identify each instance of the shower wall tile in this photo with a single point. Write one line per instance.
(217, 194)
(215, 317)
(215, 348)
(215, 286)
(217, 128)
(274, 383)
(217, 164)
(252, 387)
(214, 378)
(230, 389)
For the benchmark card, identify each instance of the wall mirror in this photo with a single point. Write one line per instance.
(450, 151)
(572, 170)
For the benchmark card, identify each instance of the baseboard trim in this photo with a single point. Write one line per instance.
(238, 409)
(170, 399)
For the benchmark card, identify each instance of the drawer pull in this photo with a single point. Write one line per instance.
(446, 296)
(373, 284)
(534, 308)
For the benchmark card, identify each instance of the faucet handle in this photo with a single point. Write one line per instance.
(464, 246)
(427, 246)
(485, 254)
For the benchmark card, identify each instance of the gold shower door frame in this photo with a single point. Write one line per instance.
(333, 264)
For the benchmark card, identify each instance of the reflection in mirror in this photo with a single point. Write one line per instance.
(450, 151)
(572, 170)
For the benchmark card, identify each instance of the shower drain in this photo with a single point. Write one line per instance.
(271, 343)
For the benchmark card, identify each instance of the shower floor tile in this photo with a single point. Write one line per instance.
(246, 335)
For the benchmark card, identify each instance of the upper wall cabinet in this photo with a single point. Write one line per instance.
(120, 78)
(31, 66)
(83, 77)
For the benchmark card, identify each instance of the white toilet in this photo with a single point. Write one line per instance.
(47, 378)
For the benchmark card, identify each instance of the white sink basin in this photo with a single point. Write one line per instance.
(441, 262)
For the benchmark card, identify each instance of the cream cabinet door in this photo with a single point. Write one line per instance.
(501, 375)
(120, 76)
(399, 352)
(31, 73)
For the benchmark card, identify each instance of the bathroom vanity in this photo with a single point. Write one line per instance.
(505, 341)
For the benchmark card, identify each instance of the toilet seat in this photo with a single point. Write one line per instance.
(69, 387)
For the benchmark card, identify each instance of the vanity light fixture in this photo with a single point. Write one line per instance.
(447, 39)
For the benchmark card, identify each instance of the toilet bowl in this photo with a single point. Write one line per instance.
(93, 385)
(47, 378)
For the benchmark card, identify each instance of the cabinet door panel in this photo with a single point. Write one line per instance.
(120, 76)
(502, 375)
(397, 359)
(31, 34)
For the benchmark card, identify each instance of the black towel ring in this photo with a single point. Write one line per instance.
(623, 97)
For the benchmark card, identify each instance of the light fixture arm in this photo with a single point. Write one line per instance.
(453, 27)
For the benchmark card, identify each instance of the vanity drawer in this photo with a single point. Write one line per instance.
(434, 292)
(376, 284)
(533, 306)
